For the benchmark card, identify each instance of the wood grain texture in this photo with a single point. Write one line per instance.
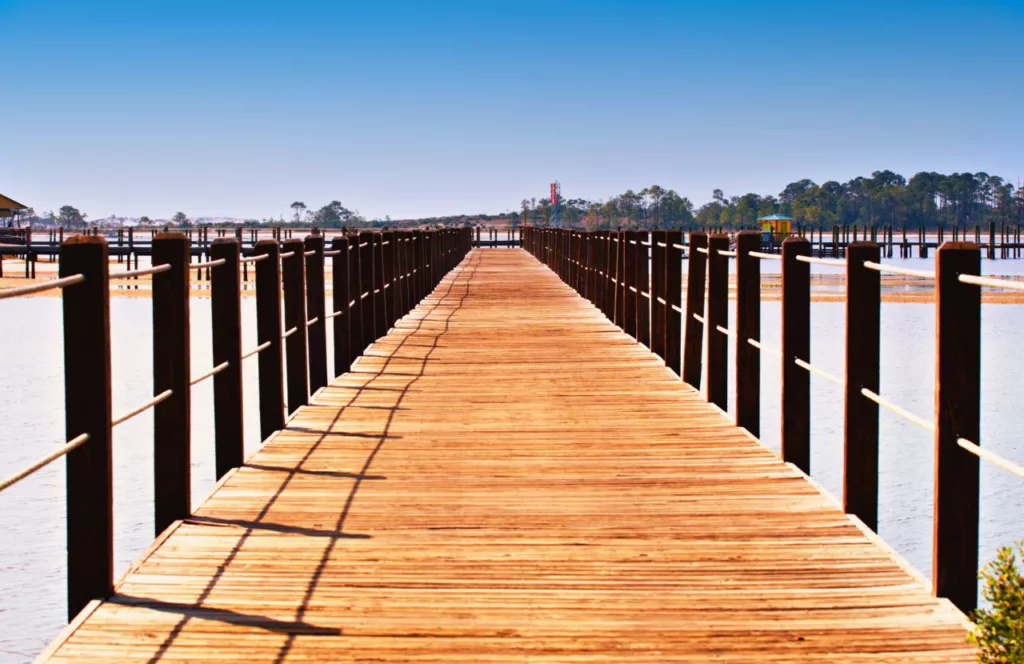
(507, 477)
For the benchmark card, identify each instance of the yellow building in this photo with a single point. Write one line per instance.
(776, 224)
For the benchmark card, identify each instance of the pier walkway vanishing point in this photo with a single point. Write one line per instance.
(507, 476)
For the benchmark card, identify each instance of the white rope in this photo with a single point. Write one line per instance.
(878, 267)
(696, 317)
(678, 310)
(333, 252)
(216, 263)
(311, 322)
(38, 288)
(815, 370)
(726, 252)
(821, 261)
(289, 333)
(255, 259)
(646, 294)
(20, 475)
(662, 244)
(257, 350)
(312, 252)
(163, 396)
(662, 301)
(989, 281)
(766, 349)
(768, 257)
(334, 314)
(212, 372)
(141, 273)
(905, 414)
(287, 254)
(702, 250)
(991, 457)
(722, 330)
(632, 289)
(682, 246)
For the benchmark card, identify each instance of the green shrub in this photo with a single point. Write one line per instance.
(1000, 632)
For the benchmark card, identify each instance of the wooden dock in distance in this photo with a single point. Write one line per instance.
(506, 476)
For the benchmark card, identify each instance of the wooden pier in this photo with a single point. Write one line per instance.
(505, 475)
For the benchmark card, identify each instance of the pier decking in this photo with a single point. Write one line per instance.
(507, 476)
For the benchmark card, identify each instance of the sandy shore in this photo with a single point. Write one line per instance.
(824, 287)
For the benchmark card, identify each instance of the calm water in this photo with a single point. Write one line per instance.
(32, 554)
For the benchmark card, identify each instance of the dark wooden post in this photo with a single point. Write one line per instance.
(340, 299)
(863, 311)
(642, 281)
(796, 344)
(694, 340)
(658, 293)
(957, 415)
(87, 410)
(718, 316)
(268, 328)
(365, 299)
(748, 326)
(226, 310)
(315, 311)
(293, 272)
(674, 301)
(628, 279)
(381, 322)
(171, 371)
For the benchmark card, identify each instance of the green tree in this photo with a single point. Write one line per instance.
(298, 207)
(181, 220)
(1000, 628)
(70, 216)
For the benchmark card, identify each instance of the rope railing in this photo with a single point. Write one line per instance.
(254, 259)
(211, 373)
(831, 262)
(39, 288)
(312, 321)
(991, 457)
(257, 350)
(818, 371)
(991, 282)
(214, 263)
(764, 256)
(287, 254)
(905, 271)
(157, 269)
(163, 396)
(45, 461)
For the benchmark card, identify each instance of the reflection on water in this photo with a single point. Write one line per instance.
(32, 565)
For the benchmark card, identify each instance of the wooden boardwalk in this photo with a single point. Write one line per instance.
(506, 476)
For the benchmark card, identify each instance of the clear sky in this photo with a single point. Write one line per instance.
(427, 108)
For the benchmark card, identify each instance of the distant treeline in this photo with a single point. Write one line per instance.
(928, 199)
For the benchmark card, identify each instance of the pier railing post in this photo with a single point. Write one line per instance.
(673, 290)
(957, 415)
(718, 316)
(796, 344)
(378, 293)
(860, 421)
(315, 311)
(293, 273)
(172, 494)
(748, 326)
(694, 339)
(629, 286)
(389, 277)
(226, 316)
(268, 329)
(658, 293)
(340, 298)
(87, 410)
(644, 299)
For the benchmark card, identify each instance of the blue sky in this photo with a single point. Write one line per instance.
(422, 108)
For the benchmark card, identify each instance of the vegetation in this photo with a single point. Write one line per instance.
(928, 199)
(1000, 629)
(70, 216)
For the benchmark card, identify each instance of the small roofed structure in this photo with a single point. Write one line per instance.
(11, 211)
(776, 224)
